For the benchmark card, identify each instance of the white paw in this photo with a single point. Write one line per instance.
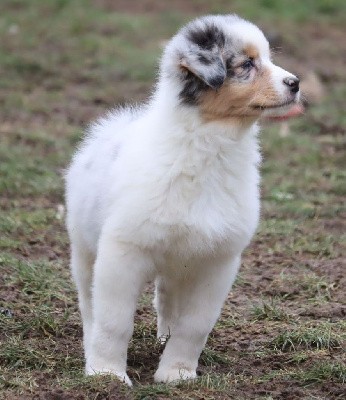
(174, 374)
(122, 376)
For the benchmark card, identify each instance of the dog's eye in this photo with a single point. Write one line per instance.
(248, 64)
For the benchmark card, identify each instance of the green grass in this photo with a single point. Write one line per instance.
(323, 336)
(63, 63)
(332, 372)
(314, 287)
(270, 310)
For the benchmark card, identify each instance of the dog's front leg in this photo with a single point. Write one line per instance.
(121, 270)
(200, 297)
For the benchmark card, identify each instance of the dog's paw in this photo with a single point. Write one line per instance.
(122, 376)
(174, 374)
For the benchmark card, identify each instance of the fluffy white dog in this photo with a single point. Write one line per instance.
(169, 192)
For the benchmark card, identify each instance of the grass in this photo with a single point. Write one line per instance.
(270, 310)
(62, 64)
(320, 337)
(315, 287)
(332, 372)
(315, 373)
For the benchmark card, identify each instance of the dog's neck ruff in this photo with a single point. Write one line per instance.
(166, 106)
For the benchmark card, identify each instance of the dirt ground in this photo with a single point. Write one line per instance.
(282, 331)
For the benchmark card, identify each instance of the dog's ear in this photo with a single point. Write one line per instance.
(206, 66)
(206, 42)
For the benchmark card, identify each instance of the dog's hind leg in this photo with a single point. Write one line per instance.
(120, 273)
(81, 267)
(201, 296)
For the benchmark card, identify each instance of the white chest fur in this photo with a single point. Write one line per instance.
(189, 192)
(181, 188)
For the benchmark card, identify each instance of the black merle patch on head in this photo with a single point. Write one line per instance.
(207, 37)
(193, 87)
(205, 69)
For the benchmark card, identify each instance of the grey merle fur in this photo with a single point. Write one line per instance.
(193, 87)
(206, 38)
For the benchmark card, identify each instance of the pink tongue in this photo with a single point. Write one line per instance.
(295, 110)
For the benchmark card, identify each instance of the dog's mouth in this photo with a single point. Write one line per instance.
(273, 106)
(281, 111)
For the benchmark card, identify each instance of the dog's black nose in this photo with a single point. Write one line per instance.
(293, 84)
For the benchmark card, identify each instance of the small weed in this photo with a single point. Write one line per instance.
(144, 337)
(93, 387)
(271, 311)
(317, 372)
(230, 318)
(44, 323)
(152, 391)
(320, 337)
(322, 372)
(213, 381)
(211, 357)
(314, 287)
(17, 380)
(37, 322)
(40, 281)
(19, 355)
(299, 357)
(272, 375)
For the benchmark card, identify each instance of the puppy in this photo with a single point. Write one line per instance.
(169, 192)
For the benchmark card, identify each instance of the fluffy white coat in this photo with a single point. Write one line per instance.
(157, 193)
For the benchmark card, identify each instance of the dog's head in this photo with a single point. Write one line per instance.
(222, 65)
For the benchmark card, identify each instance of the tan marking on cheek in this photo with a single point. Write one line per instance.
(229, 101)
(237, 100)
(264, 92)
(251, 51)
